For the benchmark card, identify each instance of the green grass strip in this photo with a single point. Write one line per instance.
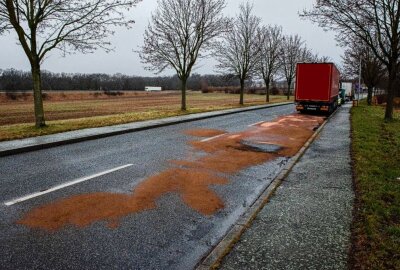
(376, 155)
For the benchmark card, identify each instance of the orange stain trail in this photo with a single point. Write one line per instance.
(191, 180)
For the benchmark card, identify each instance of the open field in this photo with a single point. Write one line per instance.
(76, 110)
(376, 154)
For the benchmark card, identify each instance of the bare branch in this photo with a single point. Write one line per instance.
(291, 53)
(376, 23)
(270, 39)
(67, 25)
(179, 33)
(239, 51)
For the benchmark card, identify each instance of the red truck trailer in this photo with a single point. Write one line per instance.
(317, 87)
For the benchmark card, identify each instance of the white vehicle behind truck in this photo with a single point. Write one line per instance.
(349, 90)
(153, 89)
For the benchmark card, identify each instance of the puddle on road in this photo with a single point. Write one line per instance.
(190, 179)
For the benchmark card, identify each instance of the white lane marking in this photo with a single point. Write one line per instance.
(275, 114)
(255, 124)
(77, 181)
(213, 138)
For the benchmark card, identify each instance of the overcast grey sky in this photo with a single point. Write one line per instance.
(124, 60)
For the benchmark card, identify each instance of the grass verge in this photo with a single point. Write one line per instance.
(376, 157)
(20, 131)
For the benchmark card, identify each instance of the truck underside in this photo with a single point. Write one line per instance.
(312, 106)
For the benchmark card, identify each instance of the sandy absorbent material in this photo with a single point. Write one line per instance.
(191, 180)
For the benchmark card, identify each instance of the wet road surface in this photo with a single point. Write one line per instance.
(167, 233)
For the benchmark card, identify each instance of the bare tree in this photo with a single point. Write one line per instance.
(178, 33)
(239, 52)
(375, 22)
(320, 59)
(270, 40)
(372, 69)
(67, 25)
(292, 52)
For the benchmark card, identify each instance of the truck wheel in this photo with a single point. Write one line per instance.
(331, 109)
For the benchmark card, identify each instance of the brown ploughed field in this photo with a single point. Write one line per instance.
(73, 105)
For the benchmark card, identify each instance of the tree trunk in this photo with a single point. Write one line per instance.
(267, 89)
(183, 90)
(288, 90)
(391, 91)
(37, 96)
(241, 92)
(370, 92)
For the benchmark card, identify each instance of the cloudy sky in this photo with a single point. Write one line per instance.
(125, 60)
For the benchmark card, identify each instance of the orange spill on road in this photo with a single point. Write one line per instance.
(191, 180)
(83, 210)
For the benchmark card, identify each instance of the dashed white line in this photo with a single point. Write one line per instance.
(213, 138)
(255, 124)
(77, 181)
(275, 114)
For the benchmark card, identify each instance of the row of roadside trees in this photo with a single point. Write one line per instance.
(181, 32)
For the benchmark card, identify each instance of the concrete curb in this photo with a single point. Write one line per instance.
(214, 258)
(8, 148)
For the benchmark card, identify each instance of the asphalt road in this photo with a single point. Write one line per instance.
(171, 236)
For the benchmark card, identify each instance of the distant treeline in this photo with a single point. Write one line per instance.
(16, 80)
